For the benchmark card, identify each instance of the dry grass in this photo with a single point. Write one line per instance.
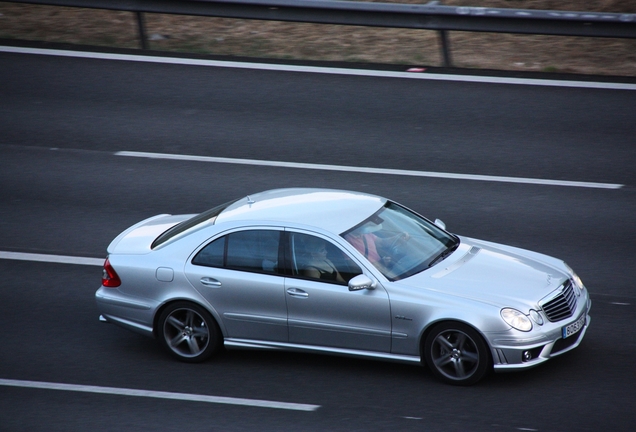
(337, 43)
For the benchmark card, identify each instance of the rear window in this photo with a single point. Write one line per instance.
(206, 218)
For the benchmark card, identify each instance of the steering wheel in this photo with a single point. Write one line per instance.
(396, 248)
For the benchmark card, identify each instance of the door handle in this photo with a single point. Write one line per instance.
(295, 292)
(210, 282)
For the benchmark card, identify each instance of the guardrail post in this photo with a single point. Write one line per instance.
(443, 37)
(142, 30)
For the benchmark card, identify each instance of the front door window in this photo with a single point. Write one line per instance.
(317, 259)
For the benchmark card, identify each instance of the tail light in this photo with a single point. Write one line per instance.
(110, 278)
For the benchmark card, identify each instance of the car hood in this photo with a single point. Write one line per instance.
(138, 238)
(495, 274)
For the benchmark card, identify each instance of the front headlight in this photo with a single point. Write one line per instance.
(516, 319)
(576, 280)
(536, 317)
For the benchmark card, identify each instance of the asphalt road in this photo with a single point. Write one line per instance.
(64, 191)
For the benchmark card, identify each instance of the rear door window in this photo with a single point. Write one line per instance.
(252, 250)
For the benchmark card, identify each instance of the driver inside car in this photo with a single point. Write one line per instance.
(378, 250)
(318, 266)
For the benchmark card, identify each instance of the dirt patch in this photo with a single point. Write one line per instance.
(272, 39)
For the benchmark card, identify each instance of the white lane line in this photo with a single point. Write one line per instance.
(323, 70)
(386, 171)
(159, 395)
(59, 259)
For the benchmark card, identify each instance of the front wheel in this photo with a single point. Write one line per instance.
(188, 332)
(456, 354)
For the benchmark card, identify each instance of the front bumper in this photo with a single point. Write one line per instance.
(531, 353)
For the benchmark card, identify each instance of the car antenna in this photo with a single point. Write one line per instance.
(250, 201)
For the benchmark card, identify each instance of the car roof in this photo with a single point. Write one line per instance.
(328, 209)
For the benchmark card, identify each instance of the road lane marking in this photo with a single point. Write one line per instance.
(59, 259)
(159, 395)
(368, 170)
(322, 70)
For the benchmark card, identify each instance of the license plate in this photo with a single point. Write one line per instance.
(574, 328)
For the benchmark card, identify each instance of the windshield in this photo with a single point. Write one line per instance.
(400, 243)
(202, 219)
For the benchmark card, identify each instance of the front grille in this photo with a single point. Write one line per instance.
(563, 305)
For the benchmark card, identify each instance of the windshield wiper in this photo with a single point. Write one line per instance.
(444, 254)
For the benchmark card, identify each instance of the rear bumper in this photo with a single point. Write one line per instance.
(125, 312)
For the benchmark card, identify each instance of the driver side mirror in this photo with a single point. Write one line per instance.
(440, 224)
(361, 282)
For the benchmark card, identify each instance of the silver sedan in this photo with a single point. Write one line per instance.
(340, 272)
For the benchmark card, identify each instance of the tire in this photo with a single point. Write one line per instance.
(456, 354)
(188, 332)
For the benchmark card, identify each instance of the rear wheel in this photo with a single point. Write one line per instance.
(188, 332)
(456, 354)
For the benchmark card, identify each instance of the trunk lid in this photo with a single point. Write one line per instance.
(137, 239)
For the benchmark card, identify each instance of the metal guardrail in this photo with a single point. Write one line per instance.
(431, 16)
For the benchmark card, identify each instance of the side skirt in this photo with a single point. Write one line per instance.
(232, 343)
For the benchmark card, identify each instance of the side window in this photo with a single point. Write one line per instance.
(212, 255)
(315, 258)
(253, 251)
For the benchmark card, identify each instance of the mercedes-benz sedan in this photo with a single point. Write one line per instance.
(339, 272)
